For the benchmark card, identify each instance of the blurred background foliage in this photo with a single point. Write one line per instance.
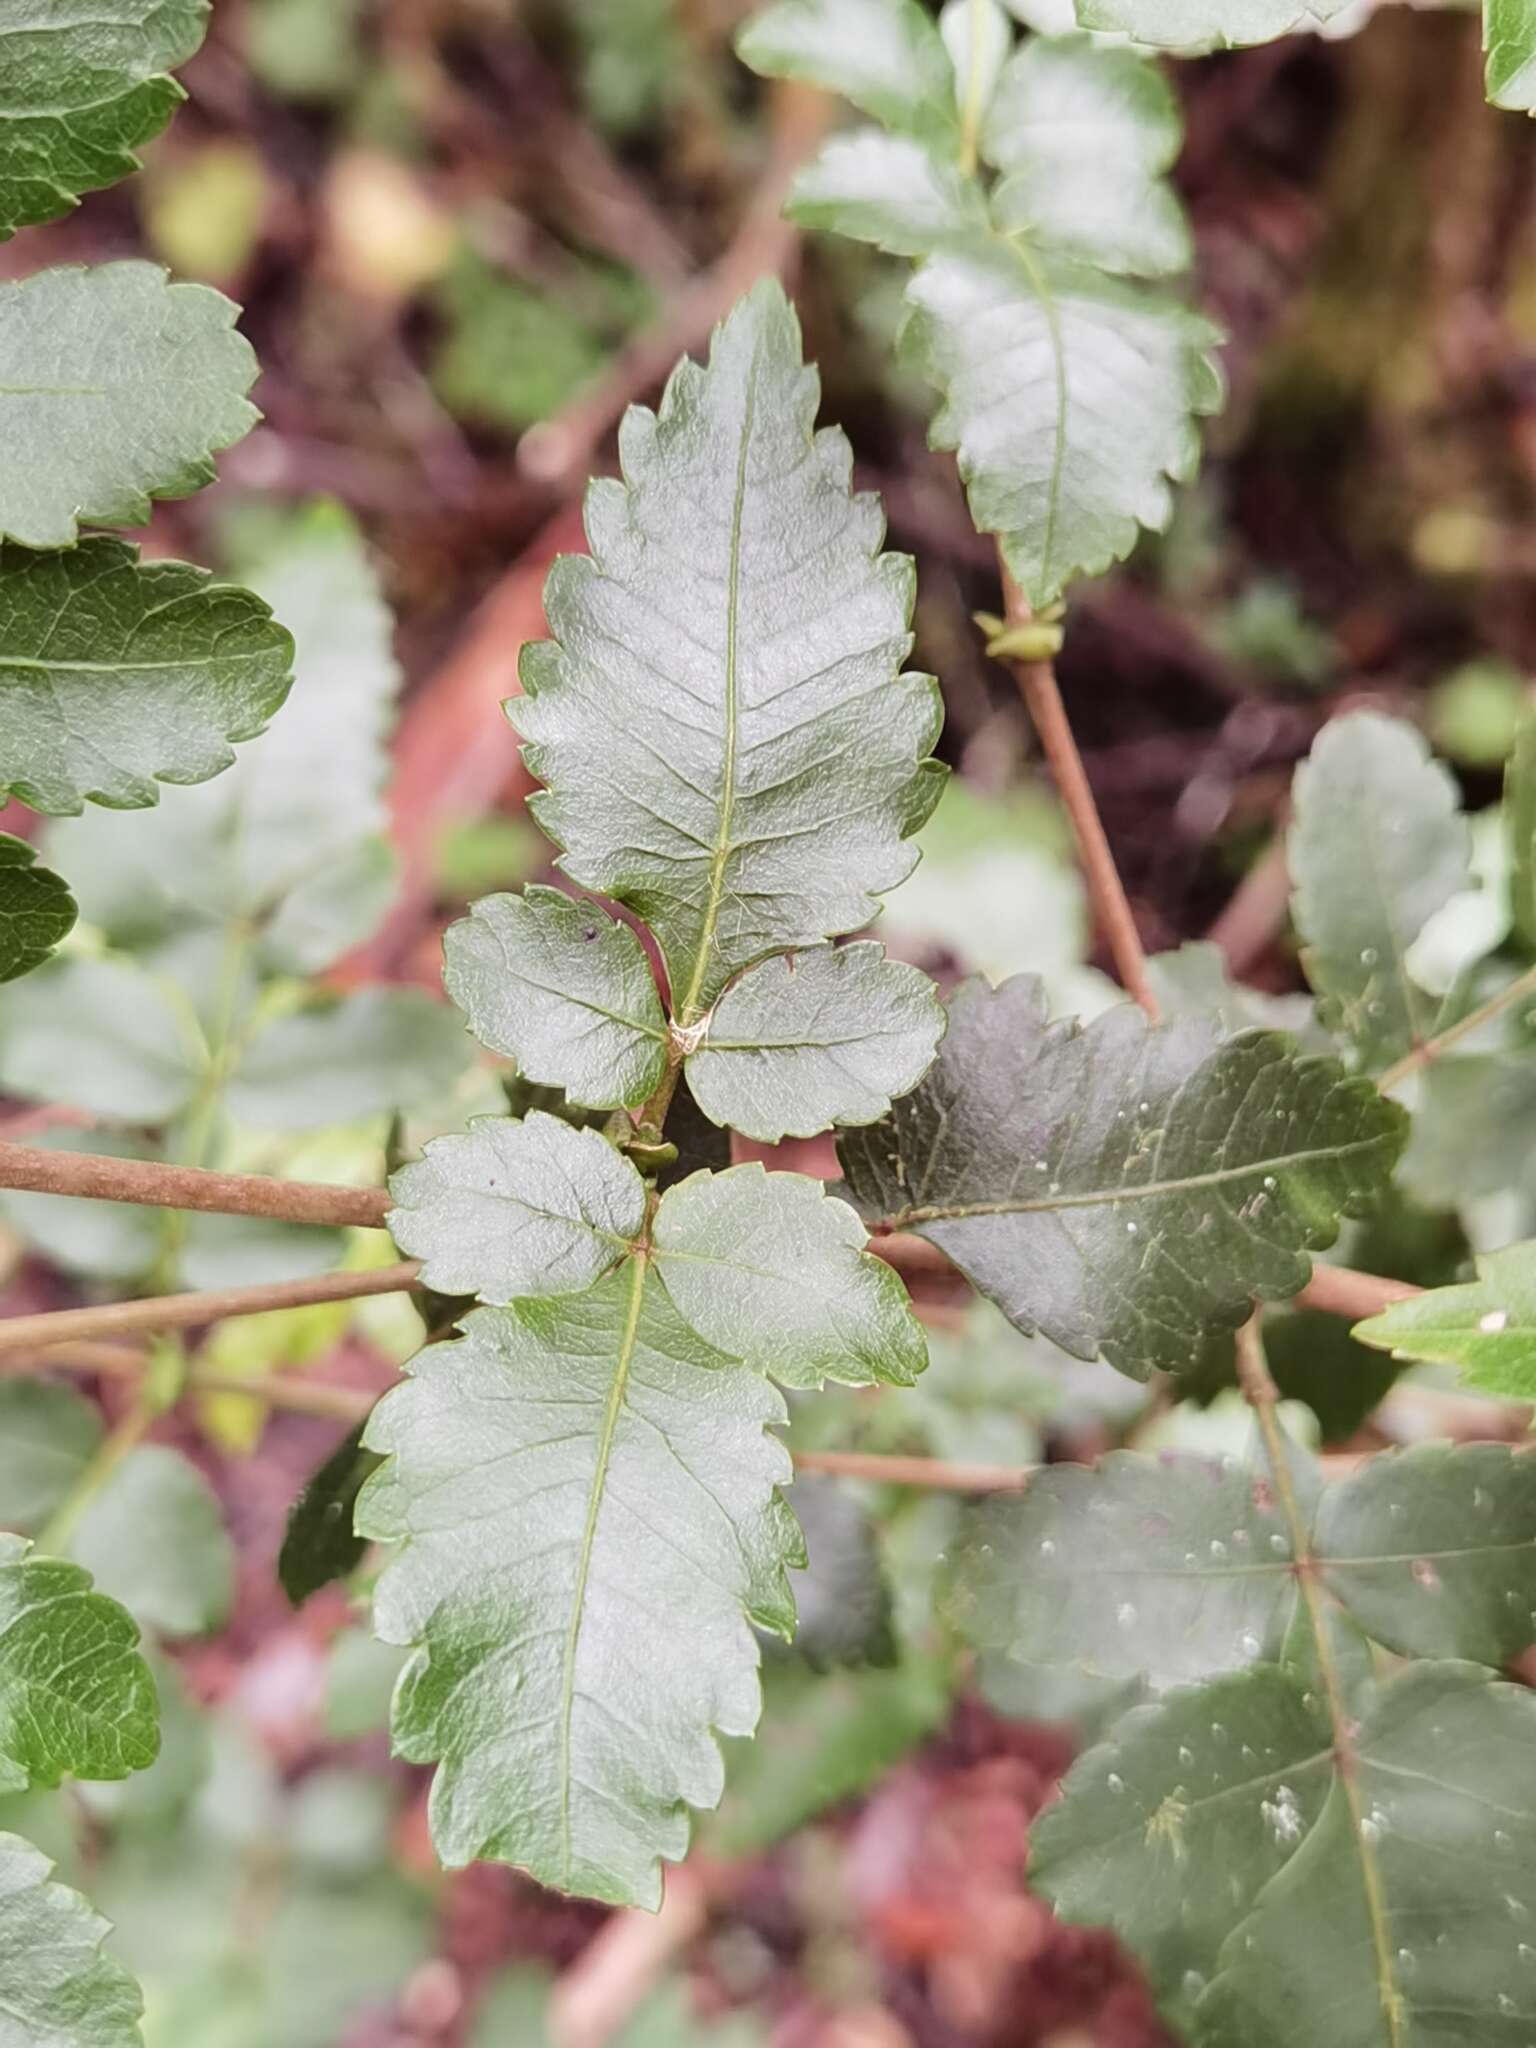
(458, 228)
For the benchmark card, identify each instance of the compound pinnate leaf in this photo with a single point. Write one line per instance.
(587, 1499)
(116, 387)
(37, 911)
(1070, 397)
(76, 1697)
(57, 1988)
(1509, 37)
(117, 675)
(1378, 845)
(770, 1269)
(1201, 1798)
(563, 989)
(374, 1050)
(513, 1209)
(1405, 1913)
(728, 743)
(829, 1036)
(1486, 1327)
(1204, 24)
(890, 190)
(884, 55)
(1172, 1568)
(1084, 137)
(81, 87)
(1433, 1551)
(1124, 1189)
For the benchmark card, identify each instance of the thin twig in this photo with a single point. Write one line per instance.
(1255, 912)
(594, 1998)
(124, 1362)
(1423, 1055)
(1339, 1292)
(936, 1474)
(193, 1311)
(1042, 698)
(40, 1170)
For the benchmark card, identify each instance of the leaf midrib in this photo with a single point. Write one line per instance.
(604, 1457)
(953, 1212)
(723, 849)
(1052, 314)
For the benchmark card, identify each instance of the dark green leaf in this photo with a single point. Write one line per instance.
(320, 1544)
(884, 55)
(117, 387)
(1433, 1550)
(1405, 1914)
(57, 1989)
(1169, 1831)
(842, 1598)
(117, 675)
(563, 989)
(1070, 1172)
(728, 743)
(587, 1500)
(1378, 844)
(1084, 137)
(1172, 1568)
(37, 911)
(1487, 1328)
(829, 1036)
(80, 90)
(75, 1695)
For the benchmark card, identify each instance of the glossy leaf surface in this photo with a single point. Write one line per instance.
(1121, 1188)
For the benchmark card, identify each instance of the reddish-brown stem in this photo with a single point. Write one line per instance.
(1339, 1292)
(1111, 905)
(192, 1311)
(41, 1170)
(936, 1474)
